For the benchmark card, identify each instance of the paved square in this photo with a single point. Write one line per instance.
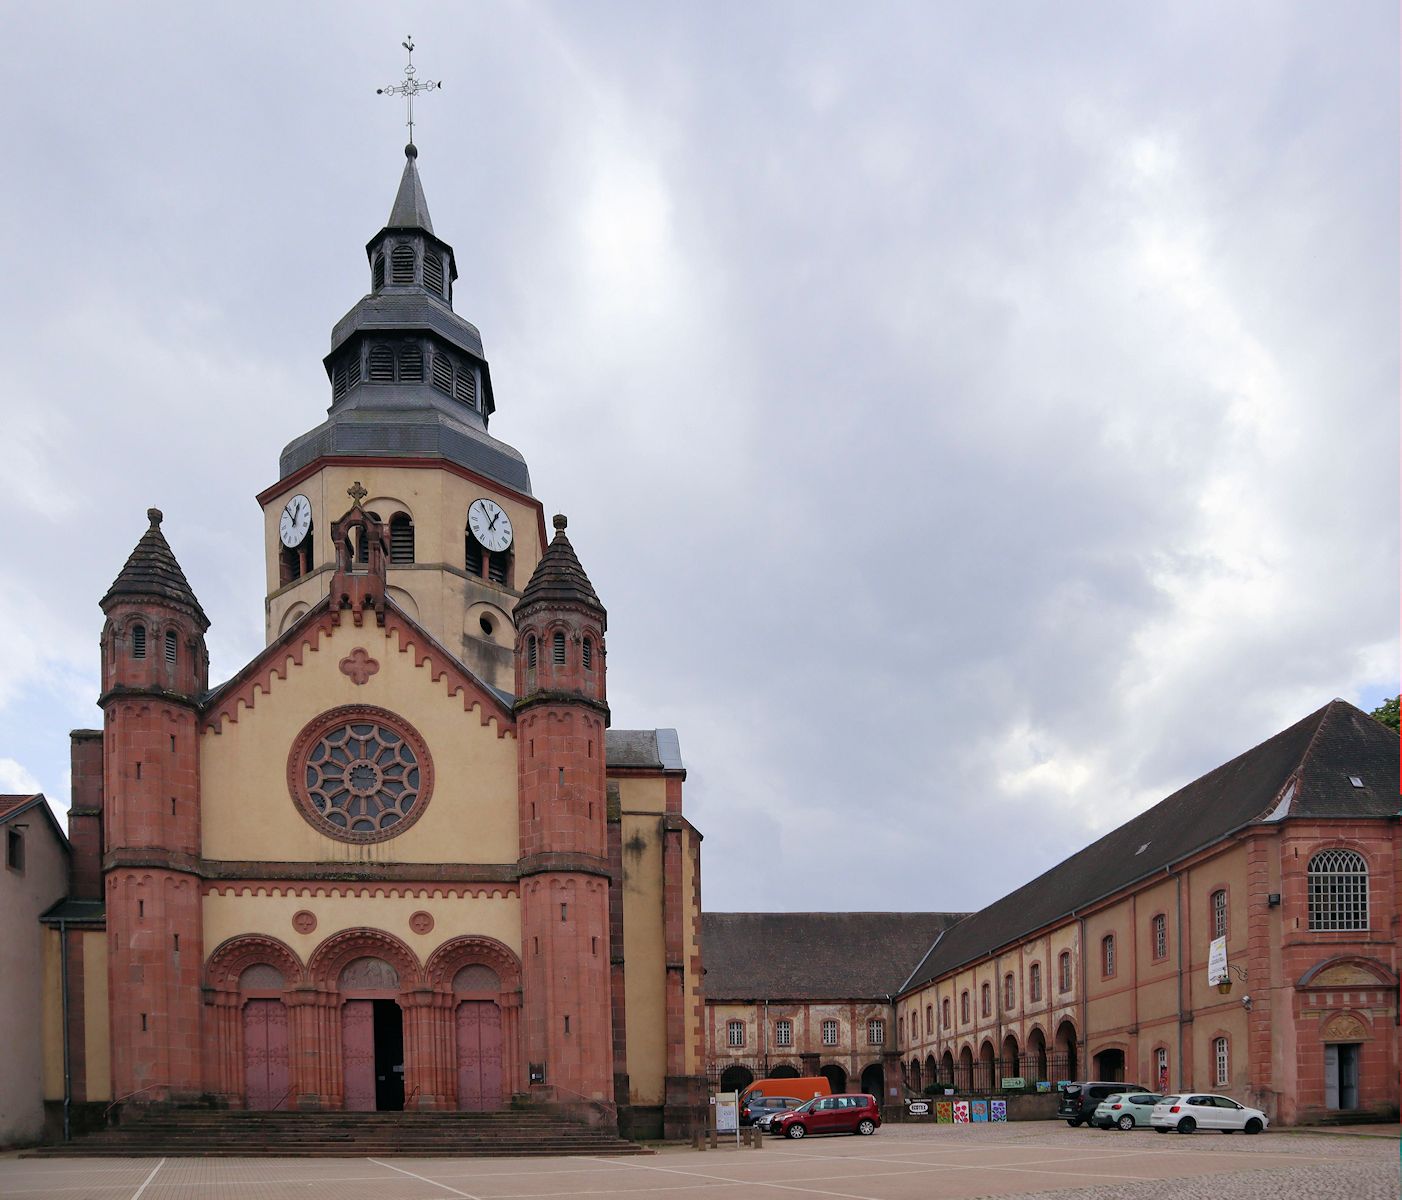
(899, 1163)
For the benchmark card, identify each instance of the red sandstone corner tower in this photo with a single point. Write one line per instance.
(154, 670)
(562, 716)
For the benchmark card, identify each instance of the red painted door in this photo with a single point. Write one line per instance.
(358, 1054)
(265, 1067)
(479, 1055)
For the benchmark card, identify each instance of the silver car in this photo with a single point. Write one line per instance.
(1125, 1110)
(1191, 1111)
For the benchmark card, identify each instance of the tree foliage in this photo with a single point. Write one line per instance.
(1386, 712)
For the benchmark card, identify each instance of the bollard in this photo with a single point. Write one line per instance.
(715, 1139)
(759, 1138)
(699, 1141)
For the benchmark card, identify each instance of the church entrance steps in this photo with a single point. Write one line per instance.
(174, 1133)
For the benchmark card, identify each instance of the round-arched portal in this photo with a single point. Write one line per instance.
(784, 1072)
(836, 1077)
(964, 1075)
(874, 1082)
(736, 1079)
(1064, 1051)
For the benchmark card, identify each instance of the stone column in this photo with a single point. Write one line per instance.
(427, 1047)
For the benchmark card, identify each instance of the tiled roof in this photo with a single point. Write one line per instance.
(811, 956)
(656, 748)
(1316, 755)
(11, 804)
(558, 578)
(152, 571)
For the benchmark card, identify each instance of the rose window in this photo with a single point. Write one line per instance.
(360, 774)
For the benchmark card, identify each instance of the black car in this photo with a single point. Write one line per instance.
(752, 1108)
(1080, 1100)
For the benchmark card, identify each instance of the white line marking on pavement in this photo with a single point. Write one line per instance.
(137, 1194)
(755, 1183)
(420, 1178)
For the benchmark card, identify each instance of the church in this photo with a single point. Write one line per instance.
(399, 860)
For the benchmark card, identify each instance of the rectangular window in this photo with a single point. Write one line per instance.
(1161, 1069)
(783, 1033)
(735, 1033)
(829, 1033)
(1219, 1054)
(14, 849)
(929, 1019)
(1160, 937)
(1219, 914)
(1034, 982)
(1064, 970)
(1107, 947)
(876, 1033)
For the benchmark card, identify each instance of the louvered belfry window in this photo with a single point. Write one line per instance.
(557, 649)
(411, 363)
(473, 555)
(588, 654)
(138, 641)
(530, 652)
(433, 273)
(466, 389)
(443, 374)
(401, 540)
(381, 364)
(172, 644)
(402, 264)
(362, 542)
(353, 371)
(338, 382)
(497, 566)
(377, 274)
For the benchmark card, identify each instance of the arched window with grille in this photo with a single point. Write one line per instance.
(557, 649)
(138, 641)
(401, 540)
(172, 647)
(401, 262)
(1338, 890)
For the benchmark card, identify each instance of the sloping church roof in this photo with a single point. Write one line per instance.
(1303, 771)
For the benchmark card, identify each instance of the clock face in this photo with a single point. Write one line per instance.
(489, 524)
(296, 519)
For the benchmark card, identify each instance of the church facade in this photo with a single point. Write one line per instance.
(400, 860)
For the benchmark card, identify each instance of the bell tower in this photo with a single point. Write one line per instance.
(561, 719)
(155, 667)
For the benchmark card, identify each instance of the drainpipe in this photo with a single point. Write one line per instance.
(1178, 903)
(764, 1039)
(67, 1066)
(1085, 1003)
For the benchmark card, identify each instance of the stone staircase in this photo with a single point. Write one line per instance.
(192, 1133)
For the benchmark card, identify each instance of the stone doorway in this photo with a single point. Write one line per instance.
(372, 1043)
(1341, 1075)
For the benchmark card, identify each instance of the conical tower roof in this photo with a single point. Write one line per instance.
(410, 209)
(558, 577)
(152, 573)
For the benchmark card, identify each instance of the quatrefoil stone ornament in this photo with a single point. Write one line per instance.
(359, 666)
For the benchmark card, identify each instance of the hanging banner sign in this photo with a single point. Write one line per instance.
(1217, 962)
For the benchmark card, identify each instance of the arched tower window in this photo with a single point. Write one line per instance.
(138, 641)
(401, 540)
(530, 651)
(362, 544)
(588, 654)
(411, 363)
(557, 649)
(296, 561)
(473, 555)
(465, 387)
(499, 566)
(381, 364)
(401, 261)
(433, 272)
(443, 374)
(1338, 890)
(338, 382)
(172, 646)
(377, 273)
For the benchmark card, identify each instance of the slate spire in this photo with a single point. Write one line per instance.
(558, 577)
(152, 573)
(410, 209)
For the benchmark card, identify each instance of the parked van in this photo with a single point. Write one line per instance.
(803, 1087)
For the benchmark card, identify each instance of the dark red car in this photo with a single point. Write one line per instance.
(852, 1113)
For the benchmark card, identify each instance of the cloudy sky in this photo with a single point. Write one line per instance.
(979, 419)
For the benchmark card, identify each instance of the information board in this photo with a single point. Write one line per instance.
(728, 1112)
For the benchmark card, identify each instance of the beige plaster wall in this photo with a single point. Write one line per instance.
(496, 914)
(642, 802)
(247, 812)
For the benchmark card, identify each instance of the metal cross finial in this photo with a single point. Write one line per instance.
(356, 493)
(411, 86)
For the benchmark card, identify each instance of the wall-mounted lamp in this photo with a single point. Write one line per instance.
(1224, 985)
(1273, 900)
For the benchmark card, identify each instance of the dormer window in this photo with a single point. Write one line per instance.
(138, 641)
(401, 261)
(377, 273)
(433, 272)
(172, 647)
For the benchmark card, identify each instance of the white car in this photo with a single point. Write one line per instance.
(1187, 1112)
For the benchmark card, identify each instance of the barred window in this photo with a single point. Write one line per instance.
(1063, 965)
(1338, 890)
(530, 652)
(1220, 1060)
(588, 654)
(401, 540)
(1107, 954)
(876, 1032)
(1219, 914)
(1160, 925)
(735, 1033)
(829, 1033)
(783, 1033)
(1034, 982)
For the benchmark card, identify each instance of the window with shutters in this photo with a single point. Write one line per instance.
(1063, 968)
(1034, 982)
(473, 555)
(876, 1032)
(443, 374)
(1159, 926)
(735, 1033)
(1338, 890)
(401, 540)
(783, 1033)
(138, 641)
(381, 364)
(588, 654)
(411, 363)
(557, 649)
(433, 272)
(377, 273)
(1107, 954)
(402, 264)
(1219, 914)
(829, 1033)
(172, 647)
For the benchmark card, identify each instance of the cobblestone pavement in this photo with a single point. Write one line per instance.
(900, 1163)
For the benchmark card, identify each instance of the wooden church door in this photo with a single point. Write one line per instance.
(265, 1064)
(358, 1054)
(479, 1055)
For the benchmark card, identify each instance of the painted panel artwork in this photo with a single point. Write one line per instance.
(998, 1110)
(978, 1110)
(961, 1112)
(265, 1065)
(479, 1056)
(944, 1112)
(358, 1054)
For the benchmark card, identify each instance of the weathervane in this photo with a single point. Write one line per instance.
(411, 86)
